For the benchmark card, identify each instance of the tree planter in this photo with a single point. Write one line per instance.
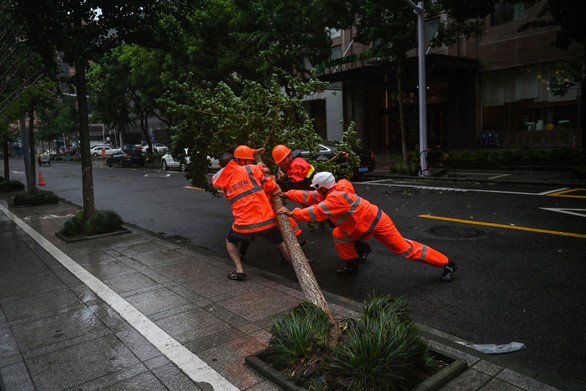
(454, 368)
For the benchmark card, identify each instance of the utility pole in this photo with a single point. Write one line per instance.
(420, 11)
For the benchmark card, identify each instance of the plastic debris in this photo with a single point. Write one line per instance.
(491, 348)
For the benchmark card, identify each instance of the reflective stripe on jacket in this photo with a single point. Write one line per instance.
(349, 212)
(246, 188)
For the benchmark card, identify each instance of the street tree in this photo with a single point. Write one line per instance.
(567, 17)
(215, 118)
(125, 86)
(81, 32)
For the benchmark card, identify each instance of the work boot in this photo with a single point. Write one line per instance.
(350, 268)
(362, 249)
(449, 271)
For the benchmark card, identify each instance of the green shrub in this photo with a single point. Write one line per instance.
(101, 222)
(297, 335)
(35, 197)
(7, 186)
(381, 350)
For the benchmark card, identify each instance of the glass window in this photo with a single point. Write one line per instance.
(336, 52)
(507, 12)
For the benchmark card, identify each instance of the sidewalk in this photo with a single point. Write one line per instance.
(135, 312)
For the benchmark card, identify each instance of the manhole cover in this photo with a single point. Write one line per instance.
(455, 232)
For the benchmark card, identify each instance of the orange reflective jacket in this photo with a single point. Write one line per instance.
(299, 170)
(246, 188)
(349, 212)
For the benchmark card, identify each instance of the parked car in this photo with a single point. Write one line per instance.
(97, 150)
(124, 159)
(157, 148)
(328, 150)
(168, 162)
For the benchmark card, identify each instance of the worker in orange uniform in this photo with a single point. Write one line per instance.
(296, 173)
(247, 189)
(356, 218)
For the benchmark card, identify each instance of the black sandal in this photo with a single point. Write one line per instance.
(237, 276)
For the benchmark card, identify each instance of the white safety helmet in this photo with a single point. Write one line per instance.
(323, 179)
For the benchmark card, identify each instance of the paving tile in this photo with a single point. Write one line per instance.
(176, 380)
(158, 300)
(264, 386)
(187, 269)
(228, 359)
(156, 362)
(209, 341)
(191, 325)
(143, 382)
(8, 346)
(219, 288)
(498, 385)
(487, 367)
(138, 344)
(260, 304)
(18, 271)
(227, 316)
(60, 299)
(112, 378)
(129, 282)
(81, 363)
(16, 377)
(523, 382)
(29, 285)
(108, 269)
(469, 380)
(51, 333)
(470, 359)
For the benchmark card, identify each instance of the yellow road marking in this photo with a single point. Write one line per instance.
(544, 231)
(566, 193)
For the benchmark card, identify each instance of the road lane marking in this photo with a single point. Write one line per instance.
(566, 192)
(156, 175)
(499, 176)
(516, 227)
(570, 211)
(373, 183)
(193, 366)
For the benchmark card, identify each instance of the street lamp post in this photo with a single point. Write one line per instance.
(420, 11)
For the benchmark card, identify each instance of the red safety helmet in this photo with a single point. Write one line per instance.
(244, 152)
(280, 152)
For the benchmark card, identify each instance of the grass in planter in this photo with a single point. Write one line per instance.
(103, 221)
(7, 186)
(35, 197)
(381, 350)
(299, 333)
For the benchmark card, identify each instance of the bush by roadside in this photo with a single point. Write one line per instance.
(381, 350)
(102, 222)
(35, 197)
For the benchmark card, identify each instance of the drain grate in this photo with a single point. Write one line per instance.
(455, 232)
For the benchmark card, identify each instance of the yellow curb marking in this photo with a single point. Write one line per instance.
(544, 231)
(566, 193)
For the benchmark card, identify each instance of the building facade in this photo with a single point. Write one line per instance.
(488, 91)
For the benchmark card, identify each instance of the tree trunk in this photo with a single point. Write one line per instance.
(89, 206)
(6, 161)
(30, 185)
(309, 285)
(31, 146)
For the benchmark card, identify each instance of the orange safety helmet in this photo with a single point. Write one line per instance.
(244, 152)
(280, 152)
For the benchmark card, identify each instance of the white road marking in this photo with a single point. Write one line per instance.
(193, 366)
(376, 183)
(157, 175)
(498, 176)
(554, 191)
(570, 211)
(48, 217)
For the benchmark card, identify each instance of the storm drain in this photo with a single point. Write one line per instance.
(447, 232)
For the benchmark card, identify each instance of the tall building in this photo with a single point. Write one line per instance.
(488, 91)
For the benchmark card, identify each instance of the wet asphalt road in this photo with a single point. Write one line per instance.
(524, 284)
